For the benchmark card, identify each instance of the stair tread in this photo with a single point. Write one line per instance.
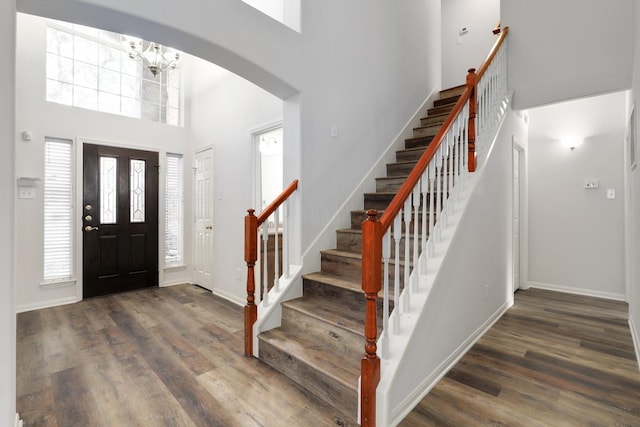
(333, 311)
(343, 371)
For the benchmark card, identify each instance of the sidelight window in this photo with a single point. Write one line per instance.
(58, 210)
(174, 243)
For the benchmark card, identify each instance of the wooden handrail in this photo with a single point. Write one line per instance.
(266, 213)
(373, 231)
(251, 224)
(492, 54)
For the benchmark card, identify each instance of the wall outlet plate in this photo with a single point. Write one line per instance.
(591, 183)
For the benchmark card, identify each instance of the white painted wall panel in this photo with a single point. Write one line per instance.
(577, 235)
(224, 112)
(461, 52)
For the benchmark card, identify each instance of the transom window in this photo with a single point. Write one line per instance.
(91, 68)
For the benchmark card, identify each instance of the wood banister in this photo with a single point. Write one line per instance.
(251, 224)
(492, 54)
(371, 285)
(374, 229)
(266, 213)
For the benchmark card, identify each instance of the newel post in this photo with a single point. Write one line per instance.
(471, 83)
(371, 285)
(250, 256)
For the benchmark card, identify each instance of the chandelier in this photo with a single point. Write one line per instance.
(155, 57)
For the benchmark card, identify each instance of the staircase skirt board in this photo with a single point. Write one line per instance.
(328, 320)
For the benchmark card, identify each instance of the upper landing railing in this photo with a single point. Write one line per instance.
(408, 230)
(252, 254)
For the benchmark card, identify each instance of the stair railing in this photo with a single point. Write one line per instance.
(429, 193)
(252, 254)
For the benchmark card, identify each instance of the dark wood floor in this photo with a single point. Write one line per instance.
(173, 357)
(157, 357)
(552, 360)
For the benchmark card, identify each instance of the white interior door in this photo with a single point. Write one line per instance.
(516, 219)
(203, 218)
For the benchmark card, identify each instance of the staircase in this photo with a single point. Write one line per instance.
(321, 340)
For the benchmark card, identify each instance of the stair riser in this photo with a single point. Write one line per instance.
(454, 91)
(357, 219)
(409, 155)
(353, 297)
(348, 344)
(415, 143)
(350, 242)
(437, 120)
(393, 184)
(343, 399)
(350, 267)
(437, 111)
(425, 131)
(381, 201)
(448, 100)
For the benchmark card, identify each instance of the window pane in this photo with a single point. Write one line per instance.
(58, 210)
(108, 103)
(174, 211)
(130, 107)
(130, 66)
(109, 81)
(173, 78)
(150, 91)
(110, 37)
(130, 86)
(85, 98)
(85, 75)
(110, 58)
(173, 97)
(137, 190)
(108, 187)
(85, 50)
(59, 42)
(59, 92)
(59, 68)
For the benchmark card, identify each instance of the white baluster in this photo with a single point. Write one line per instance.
(438, 195)
(424, 182)
(276, 255)
(386, 253)
(432, 195)
(397, 235)
(265, 267)
(285, 240)
(407, 255)
(416, 235)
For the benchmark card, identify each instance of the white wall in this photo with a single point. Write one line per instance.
(224, 112)
(7, 225)
(479, 18)
(568, 49)
(480, 254)
(633, 205)
(576, 238)
(45, 119)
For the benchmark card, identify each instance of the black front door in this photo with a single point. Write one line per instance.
(119, 220)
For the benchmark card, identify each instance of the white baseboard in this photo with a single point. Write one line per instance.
(404, 408)
(175, 283)
(45, 304)
(577, 291)
(635, 337)
(229, 297)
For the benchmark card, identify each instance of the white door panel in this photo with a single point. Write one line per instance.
(203, 218)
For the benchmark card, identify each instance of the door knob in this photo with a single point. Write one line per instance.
(90, 228)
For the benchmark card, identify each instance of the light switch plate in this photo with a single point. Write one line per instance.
(611, 193)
